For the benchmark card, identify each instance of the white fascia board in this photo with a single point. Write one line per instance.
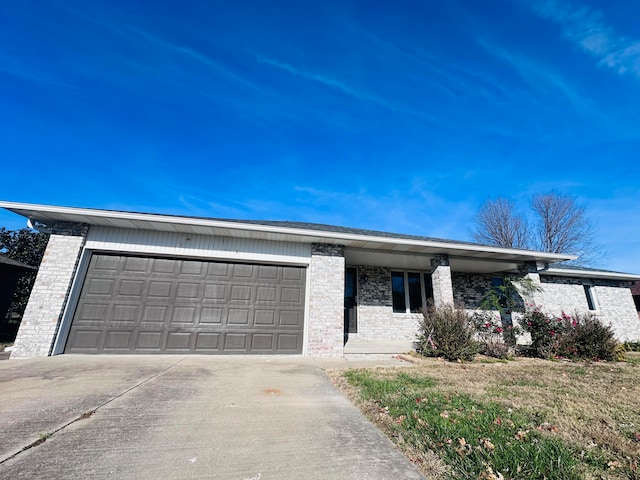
(83, 215)
(566, 272)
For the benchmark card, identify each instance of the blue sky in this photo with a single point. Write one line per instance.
(401, 116)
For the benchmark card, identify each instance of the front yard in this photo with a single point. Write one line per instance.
(521, 419)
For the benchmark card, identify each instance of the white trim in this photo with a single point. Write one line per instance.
(224, 227)
(567, 272)
(307, 308)
(74, 295)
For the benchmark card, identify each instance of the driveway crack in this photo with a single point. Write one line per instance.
(43, 437)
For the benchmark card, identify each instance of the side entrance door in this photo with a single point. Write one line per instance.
(350, 302)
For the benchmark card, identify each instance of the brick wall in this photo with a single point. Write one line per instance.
(376, 319)
(325, 329)
(614, 303)
(50, 292)
(470, 288)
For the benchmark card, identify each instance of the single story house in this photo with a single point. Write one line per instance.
(124, 282)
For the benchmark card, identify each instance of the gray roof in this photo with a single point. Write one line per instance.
(567, 269)
(320, 227)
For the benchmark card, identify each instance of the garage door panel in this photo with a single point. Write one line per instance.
(188, 290)
(149, 340)
(159, 305)
(291, 295)
(290, 318)
(155, 313)
(215, 291)
(207, 342)
(118, 340)
(178, 341)
(242, 271)
(87, 339)
(126, 313)
(211, 316)
(238, 316)
(100, 287)
(135, 265)
(289, 342)
(183, 315)
(292, 274)
(265, 318)
(163, 266)
(160, 289)
(235, 342)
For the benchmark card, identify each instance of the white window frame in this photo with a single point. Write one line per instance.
(587, 287)
(407, 302)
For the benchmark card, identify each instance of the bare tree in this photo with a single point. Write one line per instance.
(562, 226)
(499, 223)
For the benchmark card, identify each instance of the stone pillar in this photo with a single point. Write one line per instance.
(441, 279)
(530, 270)
(325, 329)
(48, 299)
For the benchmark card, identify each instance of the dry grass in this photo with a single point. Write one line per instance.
(593, 407)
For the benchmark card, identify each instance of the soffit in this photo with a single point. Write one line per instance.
(202, 226)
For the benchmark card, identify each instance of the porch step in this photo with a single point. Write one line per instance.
(364, 346)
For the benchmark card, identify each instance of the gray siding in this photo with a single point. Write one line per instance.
(181, 244)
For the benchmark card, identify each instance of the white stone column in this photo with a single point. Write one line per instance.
(529, 270)
(50, 292)
(441, 280)
(325, 329)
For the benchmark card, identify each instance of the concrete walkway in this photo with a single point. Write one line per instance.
(171, 417)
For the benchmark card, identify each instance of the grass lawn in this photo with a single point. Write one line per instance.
(522, 419)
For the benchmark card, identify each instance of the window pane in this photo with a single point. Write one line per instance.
(589, 294)
(415, 292)
(397, 290)
(428, 288)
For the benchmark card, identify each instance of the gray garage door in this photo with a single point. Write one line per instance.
(132, 304)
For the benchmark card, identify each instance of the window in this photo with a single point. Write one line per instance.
(411, 289)
(589, 294)
(397, 288)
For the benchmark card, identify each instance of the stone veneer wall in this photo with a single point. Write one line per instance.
(376, 319)
(470, 288)
(325, 329)
(50, 291)
(614, 303)
(441, 280)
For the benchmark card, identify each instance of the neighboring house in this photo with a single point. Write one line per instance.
(124, 282)
(10, 273)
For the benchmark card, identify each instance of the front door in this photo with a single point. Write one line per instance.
(350, 303)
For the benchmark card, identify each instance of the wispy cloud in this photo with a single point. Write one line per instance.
(539, 76)
(588, 28)
(357, 93)
(15, 68)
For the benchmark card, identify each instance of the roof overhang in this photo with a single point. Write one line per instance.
(462, 253)
(579, 273)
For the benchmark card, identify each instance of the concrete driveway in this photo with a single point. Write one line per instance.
(163, 417)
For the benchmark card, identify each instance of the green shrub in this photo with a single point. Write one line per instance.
(544, 332)
(447, 332)
(495, 339)
(586, 337)
(581, 336)
(632, 346)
